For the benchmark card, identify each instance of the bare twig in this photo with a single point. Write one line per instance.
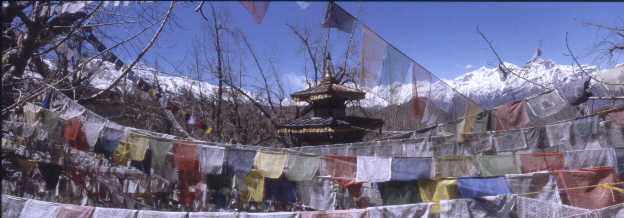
(604, 26)
(255, 103)
(71, 32)
(349, 42)
(306, 43)
(264, 78)
(581, 66)
(502, 65)
(147, 47)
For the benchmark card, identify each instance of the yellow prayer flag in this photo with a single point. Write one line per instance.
(121, 153)
(255, 186)
(269, 164)
(436, 189)
(138, 146)
(470, 117)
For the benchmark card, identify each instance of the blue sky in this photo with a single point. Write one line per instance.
(441, 36)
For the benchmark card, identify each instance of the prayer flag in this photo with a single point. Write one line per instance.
(257, 9)
(373, 51)
(474, 187)
(337, 17)
(211, 159)
(410, 168)
(596, 192)
(470, 116)
(373, 169)
(436, 189)
(511, 116)
(269, 164)
(301, 167)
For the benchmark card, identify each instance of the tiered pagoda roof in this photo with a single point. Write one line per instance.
(329, 124)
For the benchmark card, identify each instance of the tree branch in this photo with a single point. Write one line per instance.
(264, 78)
(502, 65)
(72, 30)
(308, 48)
(147, 47)
(581, 67)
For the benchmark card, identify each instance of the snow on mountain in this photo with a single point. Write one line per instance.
(483, 85)
(486, 88)
(170, 84)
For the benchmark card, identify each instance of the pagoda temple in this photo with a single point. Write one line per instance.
(329, 123)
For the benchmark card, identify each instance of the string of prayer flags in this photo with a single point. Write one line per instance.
(37, 209)
(257, 9)
(12, 206)
(159, 214)
(337, 17)
(188, 118)
(145, 86)
(104, 212)
(74, 211)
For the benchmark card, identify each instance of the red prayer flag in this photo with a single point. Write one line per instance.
(257, 9)
(541, 161)
(185, 155)
(594, 195)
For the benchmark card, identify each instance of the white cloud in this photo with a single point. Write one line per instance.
(294, 82)
(468, 66)
(303, 5)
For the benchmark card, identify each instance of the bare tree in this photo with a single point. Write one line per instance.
(312, 50)
(611, 45)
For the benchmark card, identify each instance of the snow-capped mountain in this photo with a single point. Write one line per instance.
(486, 88)
(169, 83)
(483, 85)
